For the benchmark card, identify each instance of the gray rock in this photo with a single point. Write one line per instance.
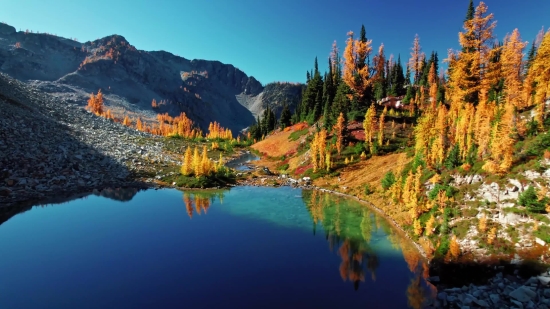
(546, 293)
(544, 280)
(442, 296)
(516, 304)
(481, 303)
(495, 298)
(523, 294)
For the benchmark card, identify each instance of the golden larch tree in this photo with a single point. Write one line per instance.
(368, 124)
(381, 127)
(339, 128)
(313, 151)
(454, 247)
(540, 74)
(197, 167)
(355, 77)
(187, 166)
(512, 68)
(417, 57)
(139, 124)
(127, 122)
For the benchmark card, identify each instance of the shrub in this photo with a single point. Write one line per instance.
(388, 180)
(443, 247)
(283, 167)
(530, 200)
(368, 190)
(449, 191)
(358, 148)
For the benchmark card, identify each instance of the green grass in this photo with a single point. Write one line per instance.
(297, 134)
(202, 182)
(462, 228)
(543, 232)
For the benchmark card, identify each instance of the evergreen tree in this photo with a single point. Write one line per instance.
(397, 79)
(470, 12)
(531, 56)
(341, 102)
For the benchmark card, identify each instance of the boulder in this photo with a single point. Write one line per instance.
(544, 280)
(523, 294)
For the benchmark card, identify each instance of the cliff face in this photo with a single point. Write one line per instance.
(131, 78)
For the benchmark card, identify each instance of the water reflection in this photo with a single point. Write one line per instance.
(199, 201)
(350, 227)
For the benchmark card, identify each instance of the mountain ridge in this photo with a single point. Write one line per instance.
(206, 90)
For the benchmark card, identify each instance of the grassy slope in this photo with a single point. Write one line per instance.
(352, 178)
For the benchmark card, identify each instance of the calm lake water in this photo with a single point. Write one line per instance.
(247, 247)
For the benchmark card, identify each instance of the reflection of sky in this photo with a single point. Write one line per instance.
(148, 253)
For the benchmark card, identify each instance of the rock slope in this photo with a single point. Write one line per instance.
(48, 146)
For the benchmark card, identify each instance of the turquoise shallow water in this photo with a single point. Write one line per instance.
(248, 247)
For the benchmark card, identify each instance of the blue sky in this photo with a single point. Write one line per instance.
(272, 40)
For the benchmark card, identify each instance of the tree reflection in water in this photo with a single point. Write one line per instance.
(350, 226)
(199, 201)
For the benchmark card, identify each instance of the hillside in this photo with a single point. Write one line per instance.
(130, 79)
(461, 162)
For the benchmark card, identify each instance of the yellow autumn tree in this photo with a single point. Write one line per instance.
(430, 225)
(313, 151)
(197, 167)
(417, 227)
(512, 67)
(321, 148)
(381, 127)
(205, 162)
(127, 122)
(187, 167)
(482, 225)
(356, 77)
(339, 127)
(139, 124)
(454, 247)
(95, 103)
(540, 75)
(476, 41)
(417, 58)
(368, 124)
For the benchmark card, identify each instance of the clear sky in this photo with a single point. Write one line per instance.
(273, 40)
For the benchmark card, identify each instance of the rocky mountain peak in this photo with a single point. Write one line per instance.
(205, 90)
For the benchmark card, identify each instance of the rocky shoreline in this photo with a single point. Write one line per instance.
(499, 290)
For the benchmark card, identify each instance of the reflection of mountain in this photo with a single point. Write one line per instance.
(119, 194)
(199, 201)
(354, 229)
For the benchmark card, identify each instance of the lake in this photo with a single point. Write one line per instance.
(248, 247)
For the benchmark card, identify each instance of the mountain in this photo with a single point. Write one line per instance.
(130, 78)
